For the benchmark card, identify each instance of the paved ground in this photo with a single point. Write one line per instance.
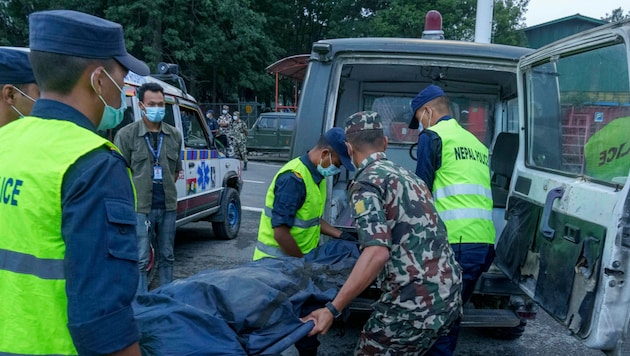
(196, 250)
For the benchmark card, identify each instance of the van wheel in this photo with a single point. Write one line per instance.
(512, 333)
(230, 223)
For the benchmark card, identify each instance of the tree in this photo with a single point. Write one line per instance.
(616, 15)
(220, 47)
(223, 47)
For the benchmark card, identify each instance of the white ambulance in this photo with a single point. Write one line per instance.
(209, 185)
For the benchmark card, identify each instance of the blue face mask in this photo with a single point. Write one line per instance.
(330, 170)
(111, 117)
(155, 113)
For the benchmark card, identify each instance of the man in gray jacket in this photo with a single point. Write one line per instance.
(152, 149)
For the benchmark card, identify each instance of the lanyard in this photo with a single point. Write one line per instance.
(156, 155)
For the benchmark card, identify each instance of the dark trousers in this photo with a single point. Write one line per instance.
(474, 259)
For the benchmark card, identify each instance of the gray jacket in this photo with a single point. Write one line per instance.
(133, 146)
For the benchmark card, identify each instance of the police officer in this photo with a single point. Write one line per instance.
(213, 124)
(69, 256)
(404, 246)
(239, 138)
(291, 223)
(454, 165)
(17, 83)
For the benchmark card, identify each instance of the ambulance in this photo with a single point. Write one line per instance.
(557, 123)
(208, 188)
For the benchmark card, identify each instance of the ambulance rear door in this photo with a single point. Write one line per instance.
(567, 238)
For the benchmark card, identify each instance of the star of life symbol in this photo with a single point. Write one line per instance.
(203, 175)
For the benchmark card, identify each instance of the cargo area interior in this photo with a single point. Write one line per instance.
(483, 99)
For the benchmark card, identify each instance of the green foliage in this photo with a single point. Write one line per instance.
(223, 47)
(616, 15)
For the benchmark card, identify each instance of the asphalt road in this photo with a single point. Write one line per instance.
(196, 250)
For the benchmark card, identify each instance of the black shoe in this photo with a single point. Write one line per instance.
(245, 166)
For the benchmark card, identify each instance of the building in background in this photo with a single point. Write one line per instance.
(548, 32)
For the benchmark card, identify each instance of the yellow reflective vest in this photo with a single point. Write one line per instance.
(461, 188)
(34, 313)
(306, 229)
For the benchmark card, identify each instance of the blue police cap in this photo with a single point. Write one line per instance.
(15, 67)
(336, 138)
(427, 94)
(78, 34)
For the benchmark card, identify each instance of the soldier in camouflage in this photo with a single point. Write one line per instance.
(224, 128)
(404, 244)
(238, 131)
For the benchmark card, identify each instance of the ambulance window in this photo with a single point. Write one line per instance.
(194, 135)
(579, 114)
(168, 115)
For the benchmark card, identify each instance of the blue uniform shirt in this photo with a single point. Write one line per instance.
(101, 274)
(290, 194)
(429, 155)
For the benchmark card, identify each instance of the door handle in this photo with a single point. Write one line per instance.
(546, 230)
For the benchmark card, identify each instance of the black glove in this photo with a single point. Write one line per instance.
(348, 236)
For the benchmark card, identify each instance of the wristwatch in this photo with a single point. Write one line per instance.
(336, 313)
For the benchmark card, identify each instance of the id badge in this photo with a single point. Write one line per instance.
(157, 172)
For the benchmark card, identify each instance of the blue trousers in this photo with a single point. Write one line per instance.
(157, 226)
(474, 259)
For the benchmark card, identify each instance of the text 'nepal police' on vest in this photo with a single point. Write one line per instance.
(291, 222)
(404, 247)
(68, 269)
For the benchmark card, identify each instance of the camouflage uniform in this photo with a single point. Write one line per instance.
(224, 131)
(238, 130)
(421, 282)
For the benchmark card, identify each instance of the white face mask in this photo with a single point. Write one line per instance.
(26, 96)
(420, 126)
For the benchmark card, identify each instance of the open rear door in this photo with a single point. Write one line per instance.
(567, 237)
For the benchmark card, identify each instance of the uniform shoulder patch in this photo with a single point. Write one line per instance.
(297, 174)
(359, 207)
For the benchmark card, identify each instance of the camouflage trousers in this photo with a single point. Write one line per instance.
(396, 337)
(240, 150)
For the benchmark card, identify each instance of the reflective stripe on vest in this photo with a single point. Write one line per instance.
(304, 224)
(270, 250)
(306, 228)
(44, 268)
(32, 282)
(461, 188)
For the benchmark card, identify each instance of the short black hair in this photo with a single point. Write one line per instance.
(60, 73)
(366, 138)
(154, 87)
(443, 104)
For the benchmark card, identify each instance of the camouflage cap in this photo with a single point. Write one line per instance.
(363, 120)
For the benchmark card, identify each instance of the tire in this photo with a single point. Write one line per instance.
(227, 228)
(512, 333)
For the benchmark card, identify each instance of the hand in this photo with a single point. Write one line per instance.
(348, 236)
(323, 320)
